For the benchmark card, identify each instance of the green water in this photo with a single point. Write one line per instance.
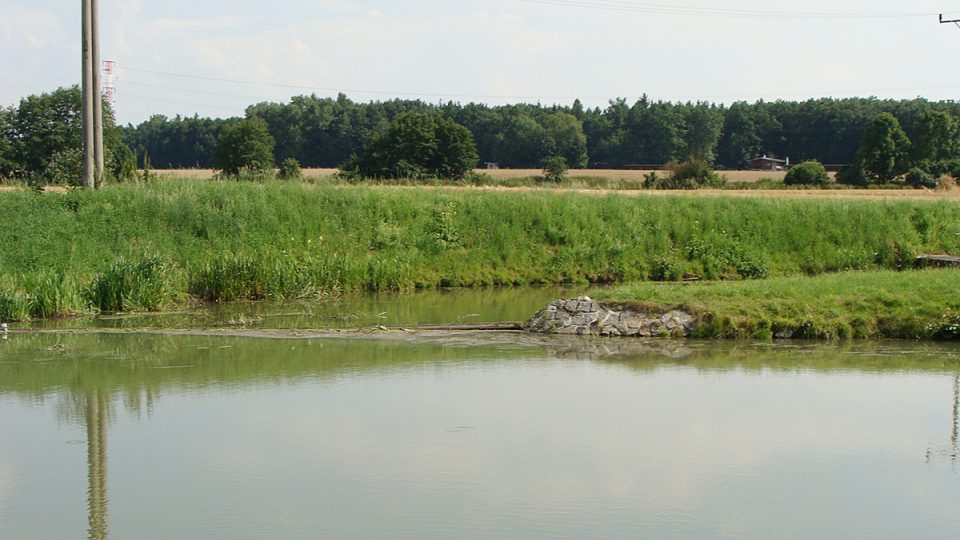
(474, 435)
(389, 309)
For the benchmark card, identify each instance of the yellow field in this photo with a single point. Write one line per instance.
(206, 174)
(613, 174)
(505, 174)
(630, 175)
(626, 176)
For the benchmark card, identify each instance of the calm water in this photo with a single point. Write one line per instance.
(474, 436)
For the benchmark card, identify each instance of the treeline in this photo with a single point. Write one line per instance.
(41, 140)
(327, 132)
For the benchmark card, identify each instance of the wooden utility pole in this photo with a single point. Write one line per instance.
(92, 105)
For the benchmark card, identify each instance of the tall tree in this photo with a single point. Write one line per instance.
(744, 130)
(935, 137)
(419, 145)
(244, 145)
(884, 153)
(704, 124)
(565, 138)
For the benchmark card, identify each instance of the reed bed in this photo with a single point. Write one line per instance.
(149, 246)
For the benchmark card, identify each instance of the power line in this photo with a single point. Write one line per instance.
(954, 21)
(28, 84)
(185, 103)
(351, 90)
(191, 90)
(743, 95)
(694, 11)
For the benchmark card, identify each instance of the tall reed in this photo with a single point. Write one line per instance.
(229, 240)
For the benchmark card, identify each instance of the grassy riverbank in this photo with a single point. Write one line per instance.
(147, 247)
(915, 304)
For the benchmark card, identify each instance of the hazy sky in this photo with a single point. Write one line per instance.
(494, 51)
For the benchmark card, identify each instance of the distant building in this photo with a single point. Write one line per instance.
(769, 164)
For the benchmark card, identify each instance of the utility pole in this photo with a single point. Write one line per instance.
(945, 21)
(92, 105)
(97, 93)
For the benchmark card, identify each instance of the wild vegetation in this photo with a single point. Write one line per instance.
(881, 140)
(147, 246)
(911, 304)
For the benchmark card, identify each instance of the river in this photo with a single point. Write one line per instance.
(470, 435)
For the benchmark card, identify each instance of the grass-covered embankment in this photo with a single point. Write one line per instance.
(915, 304)
(149, 246)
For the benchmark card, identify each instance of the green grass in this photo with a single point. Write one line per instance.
(916, 304)
(145, 247)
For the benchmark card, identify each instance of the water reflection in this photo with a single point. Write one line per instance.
(953, 450)
(439, 306)
(96, 419)
(89, 375)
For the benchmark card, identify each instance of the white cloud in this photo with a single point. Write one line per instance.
(205, 23)
(128, 8)
(36, 28)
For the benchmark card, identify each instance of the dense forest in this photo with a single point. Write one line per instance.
(41, 137)
(326, 132)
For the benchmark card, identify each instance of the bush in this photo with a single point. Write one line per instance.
(691, 174)
(290, 170)
(651, 180)
(919, 178)
(554, 168)
(64, 168)
(852, 175)
(808, 173)
(945, 166)
(123, 165)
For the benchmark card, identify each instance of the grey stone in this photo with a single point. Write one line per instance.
(585, 316)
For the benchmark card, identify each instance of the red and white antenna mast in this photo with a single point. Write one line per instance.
(109, 78)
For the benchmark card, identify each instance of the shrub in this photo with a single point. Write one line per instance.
(852, 175)
(651, 180)
(945, 166)
(666, 268)
(65, 168)
(948, 328)
(290, 170)
(123, 164)
(691, 174)
(148, 175)
(554, 168)
(808, 173)
(919, 178)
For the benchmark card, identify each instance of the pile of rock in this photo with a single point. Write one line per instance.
(585, 316)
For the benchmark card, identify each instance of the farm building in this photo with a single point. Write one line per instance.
(769, 164)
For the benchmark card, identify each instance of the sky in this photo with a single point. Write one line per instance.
(216, 57)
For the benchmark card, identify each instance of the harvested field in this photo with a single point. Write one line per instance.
(206, 174)
(629, 176)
